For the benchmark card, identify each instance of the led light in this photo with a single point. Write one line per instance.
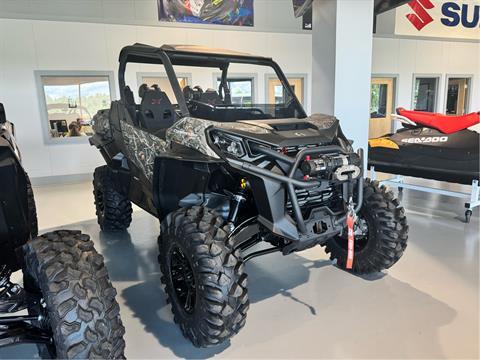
(228, 144)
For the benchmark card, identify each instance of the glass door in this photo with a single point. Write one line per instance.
(381, 107)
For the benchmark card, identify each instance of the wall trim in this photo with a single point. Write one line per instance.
(427, 38)
(61, 179)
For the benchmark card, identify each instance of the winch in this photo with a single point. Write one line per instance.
(336, 167)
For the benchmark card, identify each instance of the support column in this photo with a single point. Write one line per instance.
(342, 63)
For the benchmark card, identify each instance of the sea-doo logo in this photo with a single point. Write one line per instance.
(453, 14)
(299, 134)
(426, 140)
(421, 18)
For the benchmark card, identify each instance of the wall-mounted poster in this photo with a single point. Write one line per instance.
(303, 8)
(222, 12)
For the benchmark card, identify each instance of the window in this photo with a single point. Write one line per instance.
(425, 93)
(458, 94)
(378, 101)
(241, 90)
(72, 101)
(163, 83)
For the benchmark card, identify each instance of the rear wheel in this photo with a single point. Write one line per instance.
(73, 296)
(381, 233)
(203, 276)
(113, 209)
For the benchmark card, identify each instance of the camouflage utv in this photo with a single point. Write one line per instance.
(223, 175)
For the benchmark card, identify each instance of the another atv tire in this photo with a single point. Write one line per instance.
(386, 234)
(113, 209)
(203, 276)
(75, 297)
(32, 209)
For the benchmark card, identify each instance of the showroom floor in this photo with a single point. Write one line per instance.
(301, 305)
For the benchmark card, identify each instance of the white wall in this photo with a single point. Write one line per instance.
(269, 15)
(406, 57)
(28, 45)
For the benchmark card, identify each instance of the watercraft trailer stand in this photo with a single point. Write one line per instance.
(473, 197)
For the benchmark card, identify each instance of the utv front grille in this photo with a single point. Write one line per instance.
(309, 199)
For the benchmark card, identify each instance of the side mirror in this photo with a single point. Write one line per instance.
(3, 117)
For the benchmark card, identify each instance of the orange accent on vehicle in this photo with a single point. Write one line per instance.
(383, 142)
(351, 242)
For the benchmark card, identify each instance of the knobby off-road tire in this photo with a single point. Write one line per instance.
(32, 209)
(387, 235)
(113, 209)
(217, 310)
(80, 309)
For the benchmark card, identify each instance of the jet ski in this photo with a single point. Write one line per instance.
(429, 145)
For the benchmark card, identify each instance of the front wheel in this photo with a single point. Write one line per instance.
(203, 276)
(73, 297)
(381, 233)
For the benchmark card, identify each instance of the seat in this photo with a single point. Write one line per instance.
(443, 123)
(210, 96)
(157, 112)
(130, 105)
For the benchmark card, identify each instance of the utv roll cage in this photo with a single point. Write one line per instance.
(197, 56)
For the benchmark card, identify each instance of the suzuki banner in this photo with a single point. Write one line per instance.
(458, 19)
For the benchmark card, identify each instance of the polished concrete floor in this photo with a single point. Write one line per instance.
(302, 306)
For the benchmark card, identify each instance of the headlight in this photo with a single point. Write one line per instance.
(228, 144)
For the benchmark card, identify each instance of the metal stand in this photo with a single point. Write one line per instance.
(473, 196)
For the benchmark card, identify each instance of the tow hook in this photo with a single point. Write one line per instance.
(351, 219)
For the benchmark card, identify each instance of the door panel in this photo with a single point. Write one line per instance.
(381, 107)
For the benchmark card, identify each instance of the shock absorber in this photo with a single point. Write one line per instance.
(236, 201)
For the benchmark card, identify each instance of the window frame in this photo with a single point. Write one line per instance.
(239, 76)
(438, 77)
(303, 76)
(42, 99)
(468, 98)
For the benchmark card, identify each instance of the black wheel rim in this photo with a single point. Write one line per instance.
(183, 280)
(362, 235)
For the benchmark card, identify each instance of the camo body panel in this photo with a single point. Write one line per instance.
(190, 132)
(101, 124)
(142, 147)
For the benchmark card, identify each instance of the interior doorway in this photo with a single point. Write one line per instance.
(458, 93)
(381, 106)
(276, 92)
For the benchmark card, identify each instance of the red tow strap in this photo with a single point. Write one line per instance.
(351, 240)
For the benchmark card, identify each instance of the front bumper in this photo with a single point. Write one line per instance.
(270, 196)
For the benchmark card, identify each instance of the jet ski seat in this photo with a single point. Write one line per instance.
(443, 123)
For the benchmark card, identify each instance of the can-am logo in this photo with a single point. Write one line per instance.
(426, 140)
(453, 14)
